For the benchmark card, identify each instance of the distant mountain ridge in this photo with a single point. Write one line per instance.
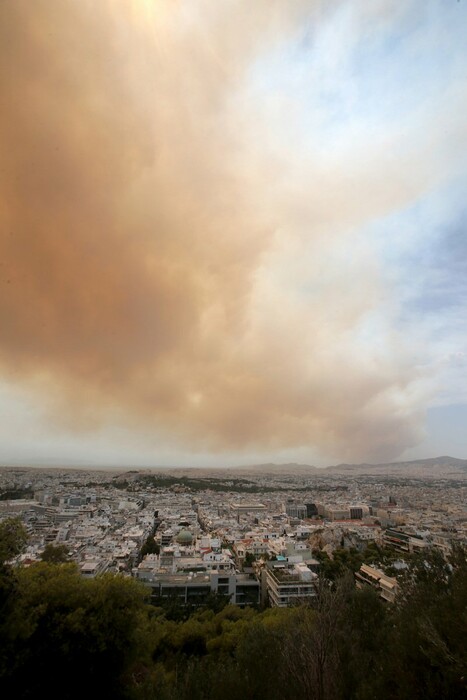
(444, 467)
(433, 466)
(430, 461)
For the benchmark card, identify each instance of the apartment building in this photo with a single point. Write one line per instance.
(193, 588)
(386, 586)
(285, 583)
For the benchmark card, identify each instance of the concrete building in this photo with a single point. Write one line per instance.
(386, 586)
(285, 583)
(240, 508)
(311, 510)
(336, 513)
(359, 512)
(91, 569)
(193, 588)
(296, 510)
(404, 541)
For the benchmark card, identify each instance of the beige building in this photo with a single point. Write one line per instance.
(386, 586)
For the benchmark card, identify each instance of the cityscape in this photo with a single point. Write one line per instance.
(233, 349)
(254, 536)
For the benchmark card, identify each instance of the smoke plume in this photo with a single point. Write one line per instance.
(162, 263)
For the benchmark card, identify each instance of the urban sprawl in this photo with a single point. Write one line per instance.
(261, 539)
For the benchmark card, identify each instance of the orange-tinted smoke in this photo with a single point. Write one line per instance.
(133, 228)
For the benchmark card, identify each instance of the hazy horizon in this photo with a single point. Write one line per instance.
(84, 466)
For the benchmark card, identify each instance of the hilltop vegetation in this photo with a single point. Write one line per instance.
(71, 638)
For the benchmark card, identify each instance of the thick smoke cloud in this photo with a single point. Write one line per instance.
(161, 265)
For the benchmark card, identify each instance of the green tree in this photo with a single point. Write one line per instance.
(311, 648)
(249, 559)
(362, 640)
(13, 537)
(150, 546)
(55, 554)
(428, 656)
(91, 630)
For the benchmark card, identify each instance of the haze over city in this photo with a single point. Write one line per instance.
(232, 232)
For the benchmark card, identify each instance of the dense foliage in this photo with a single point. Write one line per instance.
(68, 637)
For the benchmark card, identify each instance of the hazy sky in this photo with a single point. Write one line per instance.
(232, 231)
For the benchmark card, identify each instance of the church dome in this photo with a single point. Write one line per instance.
(184, 537)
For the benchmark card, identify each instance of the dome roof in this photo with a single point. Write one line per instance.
(184, 537)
